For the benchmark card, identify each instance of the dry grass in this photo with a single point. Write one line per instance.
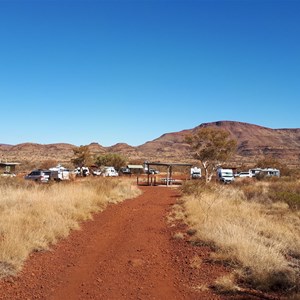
(259, 237)
(34, 216)
(226, 284)
(178, 236)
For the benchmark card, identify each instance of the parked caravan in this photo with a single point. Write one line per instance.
(195, 173)
(59, 173)
(268, 172)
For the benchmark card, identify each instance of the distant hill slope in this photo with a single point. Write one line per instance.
(254, 142)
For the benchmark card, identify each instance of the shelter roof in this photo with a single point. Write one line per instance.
(168, 164)
(9, 164)
(135, 167)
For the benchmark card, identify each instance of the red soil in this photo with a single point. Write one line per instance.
(127, 252)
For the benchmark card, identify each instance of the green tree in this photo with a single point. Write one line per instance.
(111, 159)
(212, 147)
(82, 156)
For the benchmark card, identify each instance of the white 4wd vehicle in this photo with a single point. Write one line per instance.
(109, 172)
(244, 174)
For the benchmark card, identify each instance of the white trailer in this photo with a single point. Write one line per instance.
(195, 173)
(59, 173)
(269, 172)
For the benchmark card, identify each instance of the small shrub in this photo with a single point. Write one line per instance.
(197, 187)
(226, 284)
(290, 197)
(178, 236)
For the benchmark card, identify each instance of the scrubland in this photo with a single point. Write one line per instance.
(252, 226)
(34, 216)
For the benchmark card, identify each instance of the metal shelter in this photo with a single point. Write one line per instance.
(8, 166)
(169, 180)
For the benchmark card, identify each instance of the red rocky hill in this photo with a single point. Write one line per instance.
(254, 142)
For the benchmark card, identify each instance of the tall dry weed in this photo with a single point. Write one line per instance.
(34, 216)
(261, 238)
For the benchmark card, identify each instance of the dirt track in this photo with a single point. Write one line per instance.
(126, 252)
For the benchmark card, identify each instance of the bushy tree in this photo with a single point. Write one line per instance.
(212, 147)
(82, 156)
(48, 164)
(111, 159)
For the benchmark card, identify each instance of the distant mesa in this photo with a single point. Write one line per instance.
(254, 142)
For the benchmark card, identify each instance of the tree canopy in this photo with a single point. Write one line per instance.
(212, 147)
(111, 159)
(82, 156)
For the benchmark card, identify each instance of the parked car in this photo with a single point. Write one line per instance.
(244, 174)
(96, 172)
(39, 176)
(125, 171)
(109, 172)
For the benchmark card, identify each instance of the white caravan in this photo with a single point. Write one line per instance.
(195, 173)
(269, 172)
(59, 173)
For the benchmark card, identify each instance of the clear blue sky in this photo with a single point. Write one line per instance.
(128, 71)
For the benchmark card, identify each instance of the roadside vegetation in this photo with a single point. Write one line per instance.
(34, 216)
(252, 226)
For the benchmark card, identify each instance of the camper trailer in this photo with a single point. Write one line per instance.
(268, 172)
(59, 173)
(195, 173)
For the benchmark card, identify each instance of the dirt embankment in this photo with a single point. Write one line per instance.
(126, 252)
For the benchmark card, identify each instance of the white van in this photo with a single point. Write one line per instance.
(225, 175)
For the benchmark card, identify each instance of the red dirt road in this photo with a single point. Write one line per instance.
(126, 252)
